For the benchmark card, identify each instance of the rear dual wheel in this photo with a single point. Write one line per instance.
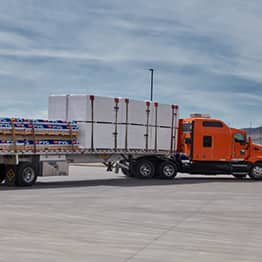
(26, 174)
(167, 169)
(142, 168)
(22, 175)
(145, 169)
(148, 169)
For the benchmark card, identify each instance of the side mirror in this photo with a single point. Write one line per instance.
(249, 142)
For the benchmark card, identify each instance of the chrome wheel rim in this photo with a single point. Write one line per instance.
(28, 175)
(169, 170)
(145, 170)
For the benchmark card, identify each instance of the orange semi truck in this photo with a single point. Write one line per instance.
(204, 146)
(214, 148)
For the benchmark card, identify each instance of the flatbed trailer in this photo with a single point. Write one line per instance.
(23, 168)
(123, 134)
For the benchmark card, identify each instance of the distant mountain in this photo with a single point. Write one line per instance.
(255, 133)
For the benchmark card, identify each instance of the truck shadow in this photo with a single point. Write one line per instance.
(129, 182)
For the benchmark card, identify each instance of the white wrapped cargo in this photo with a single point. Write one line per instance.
(78, 107)
(103, 136)
(58, 107)
(137, 112)
(117, 124)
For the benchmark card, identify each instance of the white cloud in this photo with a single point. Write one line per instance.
(207, 54)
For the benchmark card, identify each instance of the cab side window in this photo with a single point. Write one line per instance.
(207, 141)
(240, 138)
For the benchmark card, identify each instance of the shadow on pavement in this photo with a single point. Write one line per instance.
(129, 182)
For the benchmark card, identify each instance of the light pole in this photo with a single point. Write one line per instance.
(152, 83)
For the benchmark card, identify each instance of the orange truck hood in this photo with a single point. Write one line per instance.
(256, 150)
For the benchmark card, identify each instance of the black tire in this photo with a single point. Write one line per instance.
(167, 170)
(240, 176)
(26, 174)
(145, 169)
(127, 172)
(256, 172)
(2, 173)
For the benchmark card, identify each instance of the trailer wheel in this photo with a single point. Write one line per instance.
(145, 169)
(256, 172)
(167, 170)
(26, 175)
(2, 173)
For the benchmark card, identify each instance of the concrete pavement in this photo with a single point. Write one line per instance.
(97, 216)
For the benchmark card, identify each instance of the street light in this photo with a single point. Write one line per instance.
(152, 83)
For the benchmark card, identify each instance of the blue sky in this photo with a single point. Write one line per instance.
(207, 54)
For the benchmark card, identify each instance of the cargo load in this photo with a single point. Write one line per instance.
(20, 134)
(117, 123)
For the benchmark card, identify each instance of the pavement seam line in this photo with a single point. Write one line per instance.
(196, 212)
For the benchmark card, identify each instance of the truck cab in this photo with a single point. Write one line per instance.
(212, 147)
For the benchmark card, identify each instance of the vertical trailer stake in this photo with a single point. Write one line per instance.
(126, 134)
(147, 123)
(116, 124)
(71, 136)
(156, 107)
(173, 127)
(176, 127)
(33, 133)
(13, 134)
(92, 98)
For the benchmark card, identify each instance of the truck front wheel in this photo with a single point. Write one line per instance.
(26, 175)
(256, 172)
(167, 170)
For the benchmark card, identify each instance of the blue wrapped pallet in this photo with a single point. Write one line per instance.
(38, 134)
